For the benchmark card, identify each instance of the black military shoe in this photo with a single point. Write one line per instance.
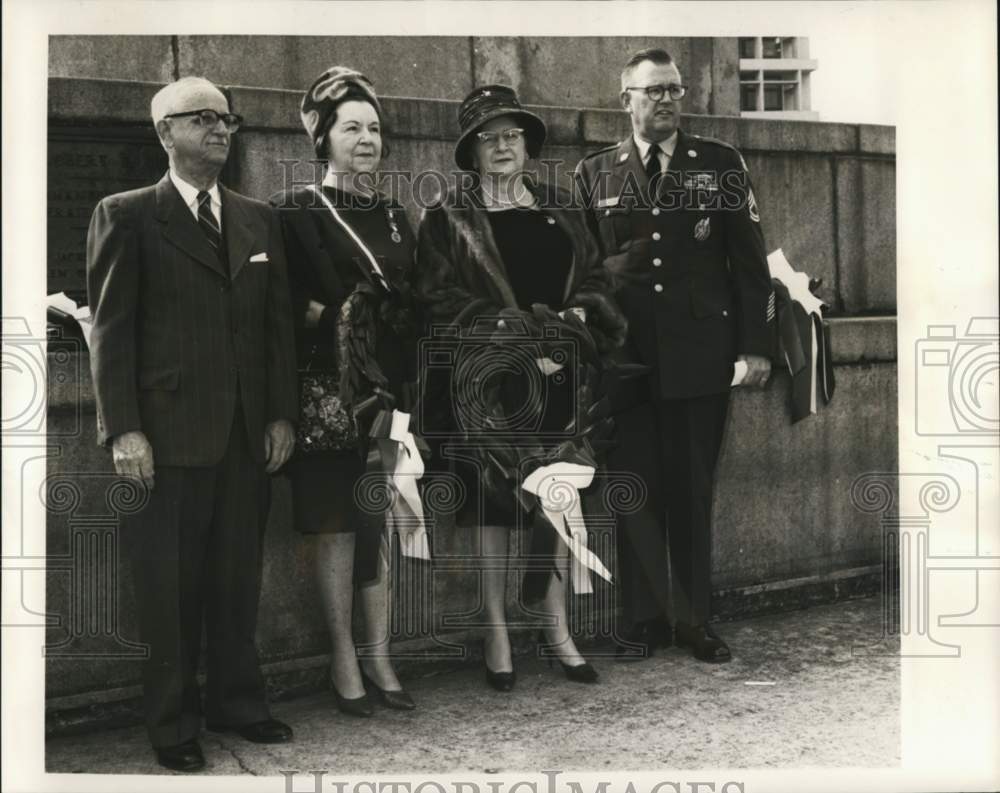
(266, 731)
(705, 645)
(185, 756)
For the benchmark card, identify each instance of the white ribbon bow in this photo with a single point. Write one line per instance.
(406, 516)
(558, 489)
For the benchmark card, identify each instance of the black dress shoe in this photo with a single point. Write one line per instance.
(580, 673)
(394, 700)
(183, 757)
(501, 681)
(359, 706)
(706, 646)
(266, 731)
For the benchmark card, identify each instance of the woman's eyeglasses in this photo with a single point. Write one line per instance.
(512, 135)
(657, 92)
(209, 118)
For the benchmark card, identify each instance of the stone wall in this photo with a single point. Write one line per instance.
(784, 517)
(582, 71)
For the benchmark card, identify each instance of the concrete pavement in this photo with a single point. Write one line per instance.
(794, 695)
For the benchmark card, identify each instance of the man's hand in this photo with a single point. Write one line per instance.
(580, 312)
(758, 370)
(279, 441)
(133, 457)
(313, 312)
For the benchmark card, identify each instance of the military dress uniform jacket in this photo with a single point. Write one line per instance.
(687, 260)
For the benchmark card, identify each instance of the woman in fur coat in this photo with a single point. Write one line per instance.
(510, 270)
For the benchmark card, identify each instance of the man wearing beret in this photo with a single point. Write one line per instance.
(193, 368)
(680, 232)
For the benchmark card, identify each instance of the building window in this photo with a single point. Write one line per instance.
(782, 87)
(772, 47)
(772, 97)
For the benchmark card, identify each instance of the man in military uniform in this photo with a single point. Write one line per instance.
(680, 231)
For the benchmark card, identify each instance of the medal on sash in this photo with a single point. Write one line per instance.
(393, 226)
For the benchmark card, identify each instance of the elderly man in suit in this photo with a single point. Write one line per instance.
(680, 231)
(192, 358)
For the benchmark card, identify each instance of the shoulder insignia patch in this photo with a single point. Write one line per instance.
(752, 207)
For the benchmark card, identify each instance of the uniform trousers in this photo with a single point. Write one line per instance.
(195, 551)
(665, 546)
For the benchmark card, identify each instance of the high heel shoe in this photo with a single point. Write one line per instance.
(359, 706)
(394, 700)
(501, 681)
(581, 673)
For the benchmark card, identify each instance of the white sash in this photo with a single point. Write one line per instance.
(350, 233)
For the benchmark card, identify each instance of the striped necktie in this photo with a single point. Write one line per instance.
(209, 224)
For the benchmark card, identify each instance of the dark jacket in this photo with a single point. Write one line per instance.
(460, 274)
(174, 338)
(325, 265)
(690, 268)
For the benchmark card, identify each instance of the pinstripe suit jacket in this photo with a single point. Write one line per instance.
(174, 337)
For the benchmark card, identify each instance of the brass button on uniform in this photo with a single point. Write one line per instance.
(657, 287)
(657, 261)
(656, 211)
(656, 235)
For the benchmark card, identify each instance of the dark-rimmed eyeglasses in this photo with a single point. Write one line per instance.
(209, 118)
(512, 135)
(657, 92)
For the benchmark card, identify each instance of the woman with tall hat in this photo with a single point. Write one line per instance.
(350, 252)
(510, 266)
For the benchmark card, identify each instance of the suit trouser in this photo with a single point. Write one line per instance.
(673, 446)
(195, 551)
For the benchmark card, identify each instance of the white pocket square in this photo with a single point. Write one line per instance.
(259, 257)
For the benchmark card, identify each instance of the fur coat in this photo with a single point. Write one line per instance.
(460, 275)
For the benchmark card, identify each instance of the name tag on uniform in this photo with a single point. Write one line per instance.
(607, 202)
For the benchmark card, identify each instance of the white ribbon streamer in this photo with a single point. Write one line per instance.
(552, 483)
(795, 282)
(406, 517)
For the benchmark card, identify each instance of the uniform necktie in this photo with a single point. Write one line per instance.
(653, 163)
(207, 221)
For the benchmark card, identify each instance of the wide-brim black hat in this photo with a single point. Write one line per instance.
(486, 103)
